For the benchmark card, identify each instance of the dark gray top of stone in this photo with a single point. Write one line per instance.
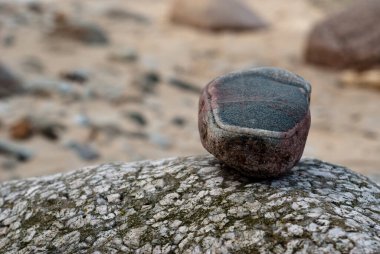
(266, 98)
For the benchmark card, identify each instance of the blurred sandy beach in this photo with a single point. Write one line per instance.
(131, 93)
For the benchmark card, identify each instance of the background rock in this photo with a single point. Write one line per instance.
(26, 127)
(88, 33)
(15, 151)
(121, 14)
(348, 39)
(84, 151)
(215, 15)
(191, 204)
(10, 84)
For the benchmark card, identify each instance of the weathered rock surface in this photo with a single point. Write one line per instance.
(191, 205)
(10, 84)
(215, 15)
(349, 39)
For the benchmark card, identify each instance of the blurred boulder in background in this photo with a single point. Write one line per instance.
(349, 39)
(10, 84)
(215, 15)
(119, 14)
(88, 33)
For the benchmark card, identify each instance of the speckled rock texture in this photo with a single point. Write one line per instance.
(256, 121)
(348, 39)
(215, 15)
(191, 205)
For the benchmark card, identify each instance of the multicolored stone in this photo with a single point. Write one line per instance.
(256, 121)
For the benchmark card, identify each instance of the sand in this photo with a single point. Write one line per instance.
(345, 120)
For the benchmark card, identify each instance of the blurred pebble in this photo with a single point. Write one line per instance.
(372, 135)
(20, 130)
(84, 151)
(32, 64)
(36, 6)
(15, 151)
(148, 81)
(124, 56)
(82, 120)
(137, 117)
(46, 88)
(88, 33)
(184, 85)
(9, 40)
(179, 121)
(48, 128)
(10, 84)
(215, 15)
(122, 14)
(79, 76)
(26, 127)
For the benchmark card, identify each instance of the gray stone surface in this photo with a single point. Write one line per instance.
(191, 205)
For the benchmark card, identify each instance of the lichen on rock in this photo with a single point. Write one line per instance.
(191, 205)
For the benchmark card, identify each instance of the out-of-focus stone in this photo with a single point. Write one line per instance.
(216, 15)
(179, 121)
(370, 78)
(147, 81)
(22, 129)
(137, 117)
(348, 39)
(10, 84)
(88, 33)
(184, 85)
(122, 14)
(26, 127)
(79, 76)
(124, 56)
(47, 88)
(84, 151)
(32, 64)
(15, 151)
(256, 121)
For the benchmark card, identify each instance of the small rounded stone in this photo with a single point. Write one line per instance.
(256, 121)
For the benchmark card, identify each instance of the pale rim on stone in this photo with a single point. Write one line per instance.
(259, 132)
